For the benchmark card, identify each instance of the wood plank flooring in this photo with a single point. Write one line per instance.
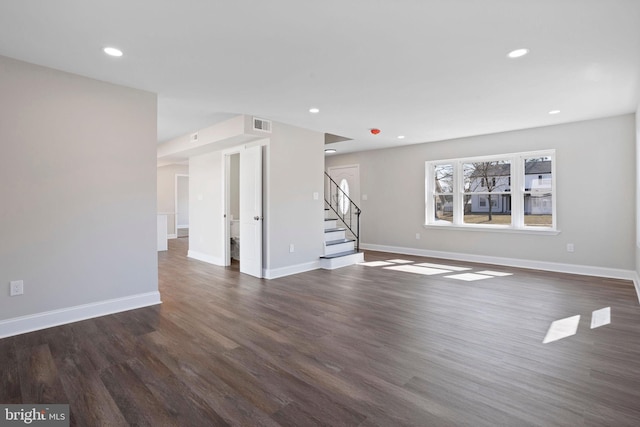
(358, 346)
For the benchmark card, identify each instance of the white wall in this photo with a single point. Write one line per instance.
(596, 200)
(206, 228)
(295, 172)
(167, 192)
(78, 194)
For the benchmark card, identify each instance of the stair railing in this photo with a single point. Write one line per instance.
(346, 210)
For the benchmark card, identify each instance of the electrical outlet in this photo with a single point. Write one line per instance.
(291, 248)
(570, 247)
(16, 287)
(417, 236)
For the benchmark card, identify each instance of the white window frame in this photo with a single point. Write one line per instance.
(517, 191)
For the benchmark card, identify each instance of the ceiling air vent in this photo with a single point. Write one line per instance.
(261, 125)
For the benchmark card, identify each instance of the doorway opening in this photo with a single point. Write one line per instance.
(234, 209)
(243, 208)
(182, 206)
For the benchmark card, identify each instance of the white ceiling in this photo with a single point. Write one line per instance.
(427, 69)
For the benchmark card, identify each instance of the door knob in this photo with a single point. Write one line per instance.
(257, 218)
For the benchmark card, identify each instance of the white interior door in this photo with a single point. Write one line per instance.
(251, 211)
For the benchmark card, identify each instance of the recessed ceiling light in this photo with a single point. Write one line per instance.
(554, 112)
(330, 150)
(314, 110)
(400, 136)
(518, 53)
(112, 51)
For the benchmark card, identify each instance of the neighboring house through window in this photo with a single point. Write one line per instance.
(508, 191)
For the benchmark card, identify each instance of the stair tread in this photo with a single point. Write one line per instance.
(338, 241)
(330, 230)
(339, 254)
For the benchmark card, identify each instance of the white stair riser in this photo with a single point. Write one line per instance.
(333, 263)
(340, 247)
(334, 235)
(330, 224)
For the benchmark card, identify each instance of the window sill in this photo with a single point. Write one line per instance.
(495, 229)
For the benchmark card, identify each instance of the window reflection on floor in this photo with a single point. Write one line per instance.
(431, 269)
(559, 329)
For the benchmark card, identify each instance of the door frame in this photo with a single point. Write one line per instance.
(226, 204)
(175, 193)
(226, 198)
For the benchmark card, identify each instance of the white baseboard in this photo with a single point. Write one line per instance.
(48, 319)
(205, 258)
(511, 262)
(172, 236)
(636, 284)
(292, 269)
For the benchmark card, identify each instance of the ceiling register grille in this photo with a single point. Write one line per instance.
(261, 125)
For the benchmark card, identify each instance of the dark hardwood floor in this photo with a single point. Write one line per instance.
(357, 346)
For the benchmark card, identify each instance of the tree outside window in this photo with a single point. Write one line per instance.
(487, 192)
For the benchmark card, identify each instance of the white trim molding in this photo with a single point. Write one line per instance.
(49, 319)
(636, 284)
(210, 259)
(587, 270)
(276, 273)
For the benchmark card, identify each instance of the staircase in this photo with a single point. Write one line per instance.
(341, 230)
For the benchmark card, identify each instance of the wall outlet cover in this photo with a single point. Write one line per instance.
(16, 287)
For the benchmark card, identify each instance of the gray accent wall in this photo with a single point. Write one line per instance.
(77, 192)
(596, 172)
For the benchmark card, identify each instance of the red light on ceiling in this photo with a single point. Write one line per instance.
(375, 131)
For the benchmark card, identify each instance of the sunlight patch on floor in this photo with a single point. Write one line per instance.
(600, 317)
(375, 263)
(495, 273)
(431, 269)
(417, 270)
(446, 267)
(469, 277)
(562, 328)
